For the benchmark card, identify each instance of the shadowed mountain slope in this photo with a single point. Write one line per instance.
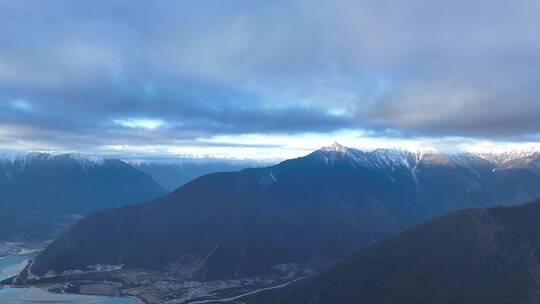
(472, 256)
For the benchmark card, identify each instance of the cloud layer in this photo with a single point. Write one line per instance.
(80, 74)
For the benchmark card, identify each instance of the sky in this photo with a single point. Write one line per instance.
(267, 79)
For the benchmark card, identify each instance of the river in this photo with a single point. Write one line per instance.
(12, 264)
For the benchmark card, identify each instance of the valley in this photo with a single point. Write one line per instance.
(156, 287)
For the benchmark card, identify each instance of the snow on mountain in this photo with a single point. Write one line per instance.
(379, 158)
(86, 159)
(335, 147)
(10, 157)
(21, 159)
(392, 158)
(410, 160)
(512, 158)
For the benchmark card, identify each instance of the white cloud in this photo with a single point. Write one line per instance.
(22, 105)
(143, 123)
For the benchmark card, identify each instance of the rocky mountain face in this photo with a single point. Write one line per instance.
(39, 192)
(311, 211)
(472, 256)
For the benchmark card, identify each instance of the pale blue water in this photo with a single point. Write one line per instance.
(11, 295)
(11, 260)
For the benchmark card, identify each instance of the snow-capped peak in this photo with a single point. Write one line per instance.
(335, 147)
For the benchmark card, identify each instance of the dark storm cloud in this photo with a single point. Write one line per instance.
(81, 73)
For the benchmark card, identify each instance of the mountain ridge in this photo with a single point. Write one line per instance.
(388, 155)
(337, 200)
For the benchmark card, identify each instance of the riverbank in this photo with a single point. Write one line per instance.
(15, 257)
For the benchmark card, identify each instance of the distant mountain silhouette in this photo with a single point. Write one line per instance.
(312, 210)
(172, 174)
(39, 191)
(475, 256)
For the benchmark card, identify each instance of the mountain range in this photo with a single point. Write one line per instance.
(40, 193)
(310, 211)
